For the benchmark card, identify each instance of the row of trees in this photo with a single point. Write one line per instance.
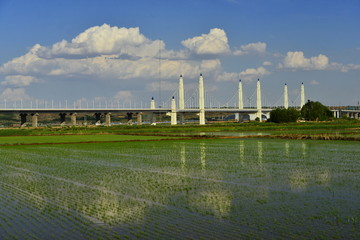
(311, 111)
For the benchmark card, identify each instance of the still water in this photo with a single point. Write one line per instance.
(211, 188)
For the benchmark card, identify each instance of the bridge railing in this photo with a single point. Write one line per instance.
(18, 105)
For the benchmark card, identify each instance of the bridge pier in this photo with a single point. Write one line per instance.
(34, 119)
(239, 117)
(108, 119)
(340, 114)
(23, 119)
(73, 118)
(139, 118)
(97, 118)
(182, 118)
(129, 118)
(152, 118)
(62, 119)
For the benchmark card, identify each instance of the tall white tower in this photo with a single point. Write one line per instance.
(201, 101)
(181, 93)
(240, 96)
(173, 111)
(302, 95)
(286, 97)
(258, 100)
(152, 103)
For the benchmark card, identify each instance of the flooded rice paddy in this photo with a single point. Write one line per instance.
(181, 189)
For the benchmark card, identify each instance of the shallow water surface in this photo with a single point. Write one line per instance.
(206, 188)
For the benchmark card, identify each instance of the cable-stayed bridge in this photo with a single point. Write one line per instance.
(176, 107)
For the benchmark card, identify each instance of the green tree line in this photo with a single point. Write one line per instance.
(311, 111)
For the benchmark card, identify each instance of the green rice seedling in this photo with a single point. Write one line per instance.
(205, 187)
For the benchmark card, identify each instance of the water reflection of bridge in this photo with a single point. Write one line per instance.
(253, 154)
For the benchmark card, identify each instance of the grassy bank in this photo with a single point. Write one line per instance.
(285, 128)
(67, 139)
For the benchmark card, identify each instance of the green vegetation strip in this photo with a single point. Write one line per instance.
(21, 140)
(197, 189)
(337, 125)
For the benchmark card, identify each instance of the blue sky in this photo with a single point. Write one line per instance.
(108, 51)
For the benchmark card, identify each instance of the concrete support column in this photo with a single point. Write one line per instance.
(108, 119)
(240, 96)
(241, 117)
(62, 118)
(302, 95)
(97, 118)
(34, 119)
(73, 118)
(182, 118)
(286, 98)
(129, 118)
(201, 101)
(139, 118)
(152, 118)
(23, 119)
(258, 100)
(173, 112)
(181, 93)
(237, 117)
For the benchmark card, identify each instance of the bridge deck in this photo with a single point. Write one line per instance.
(117, 110)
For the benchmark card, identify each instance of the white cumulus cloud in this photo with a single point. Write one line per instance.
(14, 94)
(249, 74)
(105, 52)
(167, 86)
(215, 42)
(347, 67)
(253, 73)
(19, 80)
(297, 60)
(314, 82)
(123, 95)
(259, 48)
(105, 40)
(228, 76)
(267, 63)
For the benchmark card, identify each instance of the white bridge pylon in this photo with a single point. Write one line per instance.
(239, 109)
